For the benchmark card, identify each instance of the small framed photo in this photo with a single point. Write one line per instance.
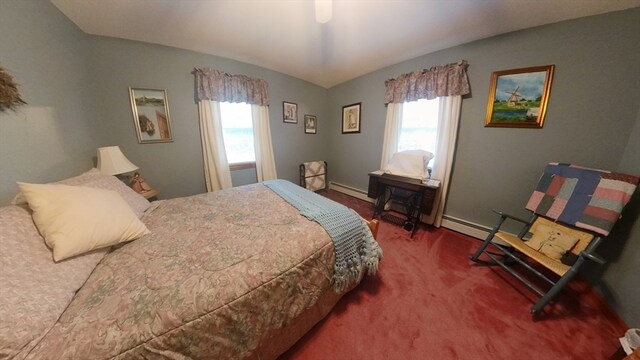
(518, 97)
(289, 112)
(310, 124)
(151, 115)
(351, 118)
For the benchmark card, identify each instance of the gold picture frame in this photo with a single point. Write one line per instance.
(518, 97)
(150, 110)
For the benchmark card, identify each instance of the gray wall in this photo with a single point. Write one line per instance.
(621, 275)
(77, 89)
(54, 136)
(175, 168)
(593, 108)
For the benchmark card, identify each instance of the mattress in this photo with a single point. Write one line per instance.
(221, 274)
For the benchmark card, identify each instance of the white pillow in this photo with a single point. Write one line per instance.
(410, 163)
(95, 179)
(75, 219)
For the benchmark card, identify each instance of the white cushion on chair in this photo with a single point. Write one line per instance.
(551, 241)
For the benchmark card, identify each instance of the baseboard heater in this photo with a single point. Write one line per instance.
(351, 191)
(450, 222)
(466, 227)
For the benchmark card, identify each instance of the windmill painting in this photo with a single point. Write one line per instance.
(518, 97)
(514, 98)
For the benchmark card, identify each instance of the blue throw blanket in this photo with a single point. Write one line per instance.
(356, 250)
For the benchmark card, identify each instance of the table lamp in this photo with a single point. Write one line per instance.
(111, 161)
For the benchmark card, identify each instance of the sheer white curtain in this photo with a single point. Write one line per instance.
(215, 86)
(216, 168)
(447, 83)
(392, 128)
(448, 119)
(265, 161)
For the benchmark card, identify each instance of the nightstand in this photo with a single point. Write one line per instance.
(150, 195)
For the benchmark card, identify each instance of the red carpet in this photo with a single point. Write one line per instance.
(429, 301)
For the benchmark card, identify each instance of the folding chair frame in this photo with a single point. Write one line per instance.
(556, 286)
(303, 176)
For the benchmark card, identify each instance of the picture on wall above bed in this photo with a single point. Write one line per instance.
(351, 118)
(151, 115)
(518, 97)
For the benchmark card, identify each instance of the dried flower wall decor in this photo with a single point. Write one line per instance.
(9, 96)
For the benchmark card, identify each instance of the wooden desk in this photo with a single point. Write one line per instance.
(420, 201)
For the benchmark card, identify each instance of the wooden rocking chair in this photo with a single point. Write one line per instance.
(574, 208)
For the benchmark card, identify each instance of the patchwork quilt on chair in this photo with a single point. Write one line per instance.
(586, 198)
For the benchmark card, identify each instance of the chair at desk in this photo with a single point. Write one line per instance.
(574, 208)
(313, 175)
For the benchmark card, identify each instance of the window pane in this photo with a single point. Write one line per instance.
(419, 126)
(237, 130)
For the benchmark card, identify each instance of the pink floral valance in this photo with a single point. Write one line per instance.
(445, 80)
(219, 86)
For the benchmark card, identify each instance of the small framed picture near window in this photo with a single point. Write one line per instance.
(518, 97)
(151, 115)
(310, 124)
(351, 118)
(289, 112)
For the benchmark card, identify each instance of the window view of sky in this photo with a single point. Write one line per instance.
(237, 129)
(419, 126)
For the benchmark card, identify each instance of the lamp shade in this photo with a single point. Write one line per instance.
(323, 11)
(111, 161)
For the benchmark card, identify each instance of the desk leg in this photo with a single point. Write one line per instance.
(416, 223)
(378, 206)
(418, 208)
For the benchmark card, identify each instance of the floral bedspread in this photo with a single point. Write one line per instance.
(218, 271)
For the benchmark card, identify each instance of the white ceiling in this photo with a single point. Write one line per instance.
(282, 35)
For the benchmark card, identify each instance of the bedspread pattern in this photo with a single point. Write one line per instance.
(34, 290)
(218, 271)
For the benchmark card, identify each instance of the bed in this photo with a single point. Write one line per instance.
(233, 274)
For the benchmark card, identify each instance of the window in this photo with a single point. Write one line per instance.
(419, 126)
(237, 131)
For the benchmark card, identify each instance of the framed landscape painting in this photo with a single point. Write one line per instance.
(151, 115)
(518, 97)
